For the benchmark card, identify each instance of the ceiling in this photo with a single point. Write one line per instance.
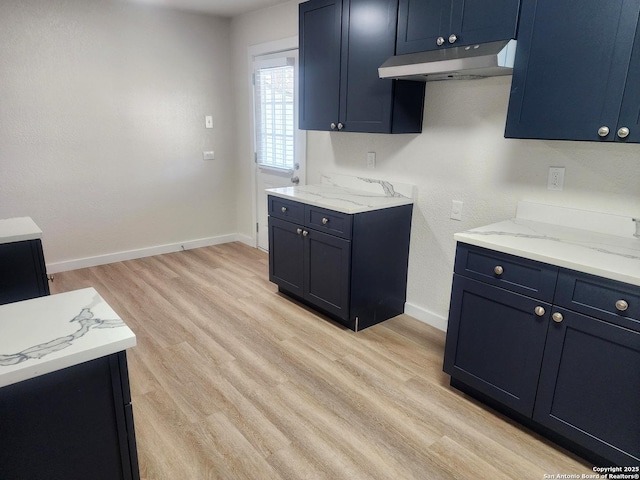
(224, 8)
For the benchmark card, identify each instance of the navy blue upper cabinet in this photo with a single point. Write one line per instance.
(320, 25)
(431, 24)
(576, 71)
(342, 44)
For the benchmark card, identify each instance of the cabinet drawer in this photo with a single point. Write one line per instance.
(528, 277)
(599, 297)
(329, 221)
(286, 209)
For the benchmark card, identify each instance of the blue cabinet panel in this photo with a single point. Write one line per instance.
(571, 69)
(589, 386)
(342, 44)
(422, 22)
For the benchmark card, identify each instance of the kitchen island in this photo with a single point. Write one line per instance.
(65, 403)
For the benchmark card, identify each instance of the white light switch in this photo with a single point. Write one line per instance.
(208, 121)
(456, 210)
(210, 155)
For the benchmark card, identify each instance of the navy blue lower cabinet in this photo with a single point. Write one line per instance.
(568, 368)
(23, 274)
(590, 385)
(72, 424)
(495, 342)
(352, 268)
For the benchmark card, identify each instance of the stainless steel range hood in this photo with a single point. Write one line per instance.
(456, 63)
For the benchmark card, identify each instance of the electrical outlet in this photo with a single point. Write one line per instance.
(210, 155)
(208, 121)
(456, 210)
(556, 178)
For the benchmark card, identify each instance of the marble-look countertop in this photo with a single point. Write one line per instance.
(348, 194)
(50, 333)
(614, 255)
(18, 230)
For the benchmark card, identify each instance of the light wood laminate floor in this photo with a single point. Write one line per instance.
(232, 380)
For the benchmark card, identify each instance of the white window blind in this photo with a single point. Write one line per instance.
(274, 114)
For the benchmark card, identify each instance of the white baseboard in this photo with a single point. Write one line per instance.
(142, 252)
(246, 239)
(426, 316)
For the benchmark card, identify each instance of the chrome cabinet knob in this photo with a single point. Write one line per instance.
(623, 132)
(498, 270)
(325, 220)
(298, 231)
(453, 38)
(540, 311)
(284, 209)
(440, 41)
(333, 126)
(340, 126)
(621, 305)
(603, 131)
(557, 317)
(305, 233)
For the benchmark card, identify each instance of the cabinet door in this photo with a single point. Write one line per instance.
(570, 68)
(22, 271)
(285, 255)
(630, 112)
(420, 23)
(589, 386)
(495, 342)
(368, 41)
(481, 21)
(327, 261)
(320, 45)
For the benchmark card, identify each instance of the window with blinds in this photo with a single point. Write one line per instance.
(274, 115)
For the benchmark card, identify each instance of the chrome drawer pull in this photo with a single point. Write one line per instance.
(305, 233)
(540, 311)
(498, 270)
(298, 231)
(284, 209)
(325, 220)
(557, 317)
(621, 305)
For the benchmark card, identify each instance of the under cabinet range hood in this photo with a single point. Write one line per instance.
(456, 63)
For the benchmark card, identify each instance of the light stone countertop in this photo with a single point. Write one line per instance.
(47, 334)
(18, 230)
(348, 194)
(588, 242)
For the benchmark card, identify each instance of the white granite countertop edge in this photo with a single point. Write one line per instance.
(100, 339)
(544, 251)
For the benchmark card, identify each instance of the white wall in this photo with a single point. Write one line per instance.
(102, 107)
(461, 155)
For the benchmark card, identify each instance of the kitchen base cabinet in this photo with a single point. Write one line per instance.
(571, 376)
(72, 424)
(351, 267)
(589, 385)
(23, 274)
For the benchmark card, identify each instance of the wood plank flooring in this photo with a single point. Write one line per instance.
(231, 380)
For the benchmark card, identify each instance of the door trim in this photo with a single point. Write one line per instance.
(289, 43)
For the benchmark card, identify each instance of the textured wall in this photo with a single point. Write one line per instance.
(462, 155)
(102, 109)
